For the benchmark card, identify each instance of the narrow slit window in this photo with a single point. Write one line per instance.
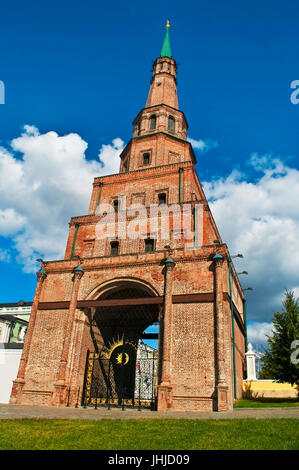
(116, 205)
(171, 123)
(146, 159)
(162, 199)
(153, 120)
(114, 248)
(149, 245)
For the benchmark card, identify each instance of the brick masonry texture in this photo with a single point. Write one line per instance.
(195, 343)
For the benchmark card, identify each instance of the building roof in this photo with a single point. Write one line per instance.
(13, 318)
(21, 303)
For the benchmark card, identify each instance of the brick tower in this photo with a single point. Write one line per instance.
(91, 309)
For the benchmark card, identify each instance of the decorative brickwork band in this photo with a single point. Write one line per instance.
(60, 394)
(165, 388)
(18, 384)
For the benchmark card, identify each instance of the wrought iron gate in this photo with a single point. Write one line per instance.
(120, 380)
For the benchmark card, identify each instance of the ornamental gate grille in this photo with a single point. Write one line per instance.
(123, 380)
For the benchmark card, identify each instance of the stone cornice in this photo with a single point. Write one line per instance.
(147, 172)
(96, 263)
(151, 108)
(161, 132)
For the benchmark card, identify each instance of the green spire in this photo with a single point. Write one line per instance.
(166, 50)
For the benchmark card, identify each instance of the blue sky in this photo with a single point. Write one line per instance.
(84, 68)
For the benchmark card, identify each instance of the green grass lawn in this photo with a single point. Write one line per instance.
(149, 434)
(267, 403)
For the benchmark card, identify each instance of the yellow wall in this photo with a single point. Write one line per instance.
(269, 388)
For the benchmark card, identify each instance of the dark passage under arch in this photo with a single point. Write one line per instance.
(122, 370)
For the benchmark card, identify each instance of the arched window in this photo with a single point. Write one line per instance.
(153, 121)
(171, 123)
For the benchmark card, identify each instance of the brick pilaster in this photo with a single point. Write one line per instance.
(165, 388)
(18, 384)
(59, 397)
(222, 388)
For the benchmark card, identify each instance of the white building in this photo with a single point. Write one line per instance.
(14, 318)
(146, 371)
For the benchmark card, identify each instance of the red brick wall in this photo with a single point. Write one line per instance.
(193, 356)
(44, 356)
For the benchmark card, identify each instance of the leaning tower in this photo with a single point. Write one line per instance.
(119, 276)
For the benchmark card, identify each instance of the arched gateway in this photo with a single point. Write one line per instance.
(120, 371)
(119, 276)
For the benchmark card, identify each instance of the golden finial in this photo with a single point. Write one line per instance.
(167, 24)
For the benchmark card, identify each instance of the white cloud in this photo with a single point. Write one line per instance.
(257, 331)
(260, 219)
(109, 156)
(296, 291)
(48, 185)
(4, 256)
(52, 181)
(203, 145)
(10, 222)
(30, 130)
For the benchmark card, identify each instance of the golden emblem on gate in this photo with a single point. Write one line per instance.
(116, 343)
(122, 358)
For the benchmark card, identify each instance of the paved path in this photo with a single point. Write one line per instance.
(21, 411)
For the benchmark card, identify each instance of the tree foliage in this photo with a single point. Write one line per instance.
(277, 362)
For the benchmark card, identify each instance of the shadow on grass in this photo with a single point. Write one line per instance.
(266, 402)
